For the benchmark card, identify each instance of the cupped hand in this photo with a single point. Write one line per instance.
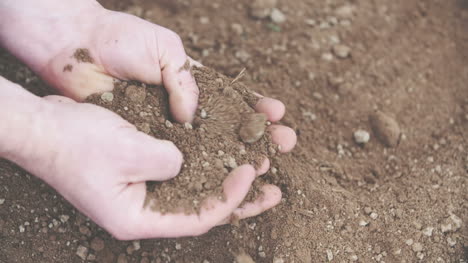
(101, 161)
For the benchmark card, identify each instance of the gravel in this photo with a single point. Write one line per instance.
(277, 16)
(107, 96)
(361, 136)
(341, 51)
(82, 252)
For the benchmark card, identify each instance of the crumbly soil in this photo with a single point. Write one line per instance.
(342, 201)
(225, 133)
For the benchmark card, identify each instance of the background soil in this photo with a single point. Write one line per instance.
(342, 202)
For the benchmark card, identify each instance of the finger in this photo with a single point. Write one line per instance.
(59, 99)
(177, 77)
(271, 196)
(158, 160)
(283, 136)
(264, 167)
(274, 109)
(151, 224)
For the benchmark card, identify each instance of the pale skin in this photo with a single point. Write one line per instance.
(91, 156)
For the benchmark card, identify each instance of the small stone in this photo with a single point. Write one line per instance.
(107, 96)
(22, 229)
(329, 255)
(97, 244)
(178, 246)
(385, 128)
(363, 223)
(428, 231)
(82, 252)
(85, 230)
(237, 28)
(253, 127)
(417, 247)
(277, 16)
(220, 153)
(136, 245)
(262, 254)
(361, 136)
(135, 94)
(278, 260)
(203, 114)
(353, 258)
(204, 20)
(446, 228)
(451, 242)
(327, 56)
(374, 215)
(456, 221)
(168, 124)
(341, 51)
(242, 55)
(188, 126)
(91, 257)
(409, 242)
(2, 201)
(64, 218)
(244, 258)
(122, 258)
(262, 8)
(231, 163)
(345, 11)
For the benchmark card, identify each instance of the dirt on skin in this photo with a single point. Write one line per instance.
(226, 133)
(342, 201)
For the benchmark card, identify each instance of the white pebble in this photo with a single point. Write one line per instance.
(341, 51)
(188, 126)
(169, 124)
(409, 242)
(82, 252)
(374, 215)
(428, 231)
(2, 201)
(21, 229)
(361, 136)
(203, 114)
(451, 242)
(417, 247)
(329, 255)
(107, 96)
(363, 223)
(277, 16)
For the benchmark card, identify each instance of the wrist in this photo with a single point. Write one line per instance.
(20, 112)
(46, 26)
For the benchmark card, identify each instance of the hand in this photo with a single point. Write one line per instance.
(127, 47)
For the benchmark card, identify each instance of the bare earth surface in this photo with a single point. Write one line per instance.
(334, 63)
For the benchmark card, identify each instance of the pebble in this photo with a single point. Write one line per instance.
(445, 228)
(2, 201)
(277, 16)
(262, 8)
(363, 223)
(253, 127)
(204, 20)
(327, 56)
(278, 260)
(203, 114)
(122, 258)
(107, 96)
(457, 221)
(361, 136)
(244, 258)
(237, 28)
(385, 128)
(451, 242)
(428, 231)
(231, 163)
(64, 218)
(22, 229)
(353, 258)
(345, 11)
(168, 124)
(409, 242)
(374, 215)
(178, 246)
(329, 255)
(82, 252)
(417, 247)
(135, 94)
(97, 244)
(341, 51)
(188, 126)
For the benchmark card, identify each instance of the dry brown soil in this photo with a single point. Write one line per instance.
(342, 202)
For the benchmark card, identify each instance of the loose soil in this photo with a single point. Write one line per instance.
(342, 201)
(226, 133)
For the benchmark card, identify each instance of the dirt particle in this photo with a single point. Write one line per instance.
(262, 8)
(253, 127)
(68, 68)
(97, 244)
(82, 252)
(135, 94)
(385, 128)
(82, 55)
